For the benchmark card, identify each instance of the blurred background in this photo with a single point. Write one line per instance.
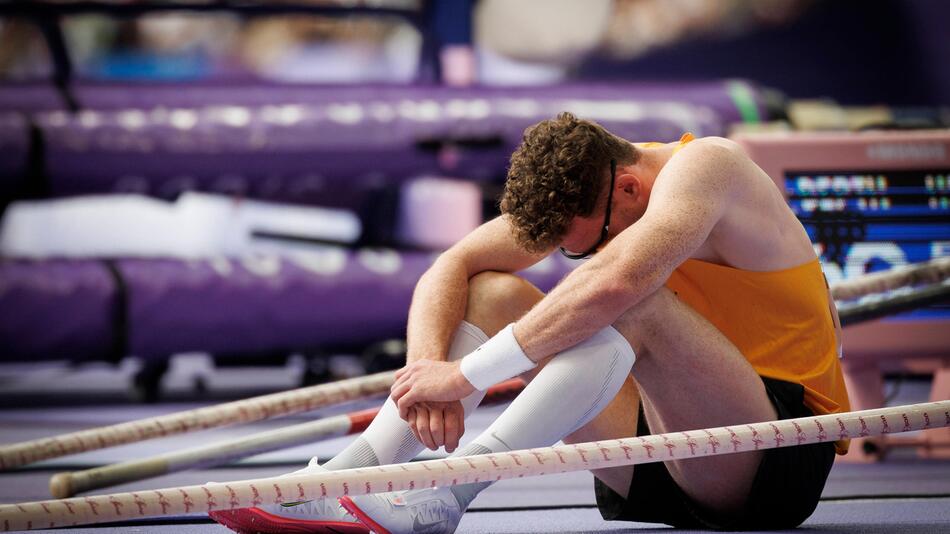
(192, 187)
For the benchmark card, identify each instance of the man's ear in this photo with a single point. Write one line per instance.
(629, 184)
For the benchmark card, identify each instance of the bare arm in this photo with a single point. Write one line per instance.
(438, 303)
(689, 198)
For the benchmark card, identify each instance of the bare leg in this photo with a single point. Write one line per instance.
(689, 376)
(497, 299)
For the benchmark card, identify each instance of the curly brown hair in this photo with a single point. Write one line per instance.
(557, 174)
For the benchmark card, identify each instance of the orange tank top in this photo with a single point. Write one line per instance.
(779, 320)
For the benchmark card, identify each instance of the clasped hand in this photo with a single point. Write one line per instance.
(427, 393)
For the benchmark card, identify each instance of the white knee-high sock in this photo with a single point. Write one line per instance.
(388, 439)
(564, 396)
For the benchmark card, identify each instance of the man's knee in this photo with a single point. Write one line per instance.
(496, 299)
(640, 322)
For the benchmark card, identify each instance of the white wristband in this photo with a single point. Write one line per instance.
(498, 359)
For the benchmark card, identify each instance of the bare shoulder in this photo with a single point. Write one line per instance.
(712, 162)
(719, 149)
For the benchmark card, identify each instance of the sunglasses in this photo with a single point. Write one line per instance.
(603, 233)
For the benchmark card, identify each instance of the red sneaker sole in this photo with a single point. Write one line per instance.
(257, 521)
(352, 508)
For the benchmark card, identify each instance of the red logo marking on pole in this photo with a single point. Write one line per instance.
(116, 504)
(926, 420)
(560, 456)
(779, 437)
(691, 443)
(389, 486)
(412, 484)
(800, 436)
(515, 458)
(69, 507)
(842, 430)
(906, 423)
(209, 499)
(448, 465)
(583, 454)
(669, 445)
(470, 463)
(323, 490)
(301, 494)
(186, 500)
(346, 488)
(163, 502)
(647, 447)
(864, 427)
(604, 451)
(756, 439)
(279, 499)
(139, 503)
(627, 450)
(368, 489)
(93, 507)
(712, 440)
(539, 457)
(234, 501)
(885, 427)
(493, 462)
(822, 436)
(45, 507)
(255, 496)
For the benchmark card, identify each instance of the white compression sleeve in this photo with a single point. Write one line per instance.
(565, 395)
(388, 439)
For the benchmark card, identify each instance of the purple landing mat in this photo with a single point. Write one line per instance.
(333, 145)
(718, 94)
(56, 309)
(251, 305)
(29, 97)
(14, 150)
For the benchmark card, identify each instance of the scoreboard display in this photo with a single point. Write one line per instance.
(864, 221)
(869, 201)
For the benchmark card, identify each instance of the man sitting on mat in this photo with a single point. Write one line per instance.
(697, 266)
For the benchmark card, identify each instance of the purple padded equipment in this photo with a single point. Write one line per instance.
(253, 305)
(331, 145)
(56, 309)
(14, 151)
(30, 97)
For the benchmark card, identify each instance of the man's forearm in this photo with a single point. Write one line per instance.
(591, 298)
(438, 307)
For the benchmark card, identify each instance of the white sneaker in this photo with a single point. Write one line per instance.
(305, 517)
(428, 511)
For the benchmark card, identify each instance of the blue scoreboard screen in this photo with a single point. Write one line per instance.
(864, 221)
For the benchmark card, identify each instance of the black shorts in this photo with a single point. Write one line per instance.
(784, 493)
